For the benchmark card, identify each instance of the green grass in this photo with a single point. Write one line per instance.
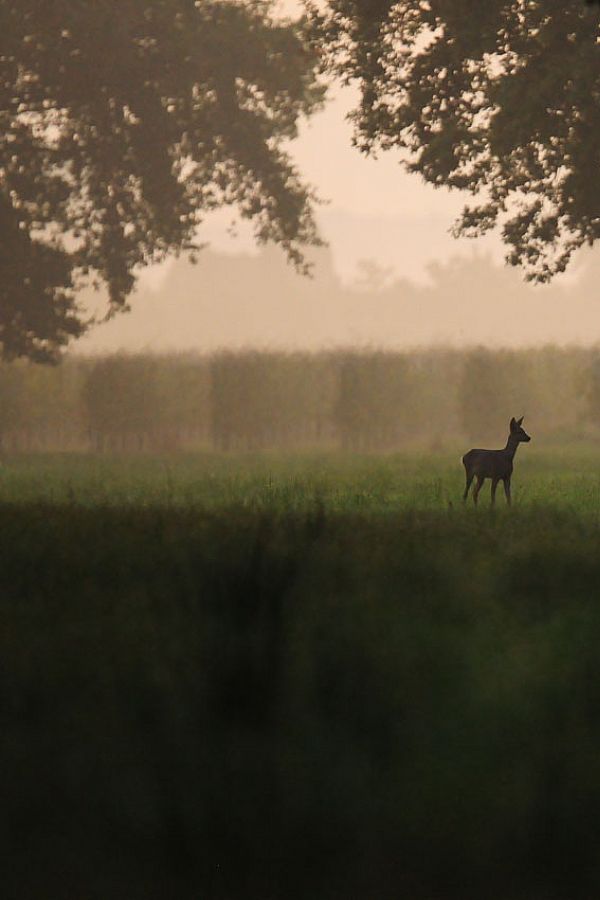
(288, 677)
(564, 478)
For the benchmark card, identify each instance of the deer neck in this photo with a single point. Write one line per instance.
(511, 445)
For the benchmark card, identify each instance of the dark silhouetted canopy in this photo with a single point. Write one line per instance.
(121, 124)
(500, 98)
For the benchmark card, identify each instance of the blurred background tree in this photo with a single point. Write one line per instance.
(479, 390)
(592, 376)
(373, 404)
(120, 125)
(121, 401)
(499, 99)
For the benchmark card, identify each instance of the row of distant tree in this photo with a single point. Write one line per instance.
(247, 401)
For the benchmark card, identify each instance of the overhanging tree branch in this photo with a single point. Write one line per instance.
(121, 124)
(500, 99)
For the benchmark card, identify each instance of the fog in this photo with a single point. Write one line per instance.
(391, 274)
(258, 300)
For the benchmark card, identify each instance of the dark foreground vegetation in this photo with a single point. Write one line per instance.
(304, 683)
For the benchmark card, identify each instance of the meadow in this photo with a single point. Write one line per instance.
(299, 675)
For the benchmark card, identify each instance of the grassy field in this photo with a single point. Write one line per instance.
(307, 676)
(563, 477)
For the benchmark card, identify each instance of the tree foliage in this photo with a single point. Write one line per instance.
(498, 98)
(121, 123)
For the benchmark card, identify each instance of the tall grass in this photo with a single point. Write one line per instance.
(274, 677)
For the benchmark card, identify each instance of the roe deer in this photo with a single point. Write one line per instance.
(494, 464)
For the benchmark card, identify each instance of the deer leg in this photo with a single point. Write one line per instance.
(494, 486)
(470, 477)
(480, 481)
(507, 489)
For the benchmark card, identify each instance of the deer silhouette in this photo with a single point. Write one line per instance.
(494, 464)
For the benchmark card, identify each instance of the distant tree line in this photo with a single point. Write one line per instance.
(359, 401)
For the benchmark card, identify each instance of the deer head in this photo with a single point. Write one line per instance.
(518, 431)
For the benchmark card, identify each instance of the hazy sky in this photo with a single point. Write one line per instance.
(374, 208)
(375, 211)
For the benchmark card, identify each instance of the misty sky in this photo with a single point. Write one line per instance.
(375, 211)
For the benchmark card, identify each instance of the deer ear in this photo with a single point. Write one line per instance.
(520, 421)
(513, 423)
